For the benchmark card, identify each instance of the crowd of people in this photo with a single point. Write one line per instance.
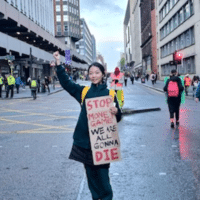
(9, 82)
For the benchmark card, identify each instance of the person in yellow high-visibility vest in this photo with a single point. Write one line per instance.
(11, 83)
(1, 84)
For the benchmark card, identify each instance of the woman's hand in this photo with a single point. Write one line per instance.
(197, 100)
(56, 55)
(113, 110)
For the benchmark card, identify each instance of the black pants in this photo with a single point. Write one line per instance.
(186, 90)
(153, 81)
(0, 90)
(38, 87)
(10, 87)
(99, 182)
(174, 107)
(125, 82)
(17, 86)
(132, 81)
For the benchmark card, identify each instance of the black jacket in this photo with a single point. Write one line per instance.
(81, 133)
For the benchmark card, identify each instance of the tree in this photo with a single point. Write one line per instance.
(122, 62)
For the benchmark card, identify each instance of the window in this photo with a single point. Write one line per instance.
(180, 16)
(65, 18)
(189, 65)
(58, 18)
(170, 4)
(57, 8)
(65, 7)
(175, 21)
(188, 38)
(167, 32)
(182, 41)
(192, 35)
(58, 28)
(187, 11)
(172, 46)
(167, 8)
(191, 7)
(65, 28)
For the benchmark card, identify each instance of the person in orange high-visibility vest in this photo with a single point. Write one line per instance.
(187, 82)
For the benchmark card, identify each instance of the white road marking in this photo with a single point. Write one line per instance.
(81, 188)
(0, 146)
(115, 174)
(174, 146)
(54, 146)
(162, 174)
(143, 145)
(27, 146)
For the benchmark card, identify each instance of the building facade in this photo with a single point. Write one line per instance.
(67, 21)
(148, 36)
(94, 51)
(26, 32)
(86, 46)
(135, 32)
(178, 29)
(127, 36)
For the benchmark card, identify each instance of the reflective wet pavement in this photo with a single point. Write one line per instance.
(158, 163)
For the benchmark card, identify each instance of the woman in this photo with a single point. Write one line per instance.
(174, 89)
(97, 176)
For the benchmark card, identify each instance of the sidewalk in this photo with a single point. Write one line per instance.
(26, 93)
(159, 87)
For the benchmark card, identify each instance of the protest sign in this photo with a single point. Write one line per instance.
(103, 130)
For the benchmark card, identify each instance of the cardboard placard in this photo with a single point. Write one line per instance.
(103, 130)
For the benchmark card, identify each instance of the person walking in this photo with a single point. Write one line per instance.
(132, 79)
(152, 78)
(197, 96)
(1, 85)
(97, 175)
(38, 84)
(46, 80)
(125, 80)
(147, 77)
(29, 81)
(156, 77)
(34, 87)
(187, 82)
(174, 88)
(194, 83)
(11, 83)
(17, 82)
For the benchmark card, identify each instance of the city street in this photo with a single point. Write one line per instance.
(158, 163)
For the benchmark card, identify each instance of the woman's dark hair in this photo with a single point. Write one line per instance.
(96, 64)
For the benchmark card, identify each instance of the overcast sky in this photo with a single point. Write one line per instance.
(105, 20)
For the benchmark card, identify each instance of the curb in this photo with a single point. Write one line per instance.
(129, 111)
(160, 90)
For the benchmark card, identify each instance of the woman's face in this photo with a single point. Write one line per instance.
(95, 75)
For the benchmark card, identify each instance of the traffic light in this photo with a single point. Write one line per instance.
(177, 57)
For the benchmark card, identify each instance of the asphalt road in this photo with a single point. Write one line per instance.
(158, 163)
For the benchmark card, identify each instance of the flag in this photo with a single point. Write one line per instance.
(67, 57)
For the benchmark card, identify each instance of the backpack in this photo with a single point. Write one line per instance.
(86, 88)
(173, 90)
(33, 83)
